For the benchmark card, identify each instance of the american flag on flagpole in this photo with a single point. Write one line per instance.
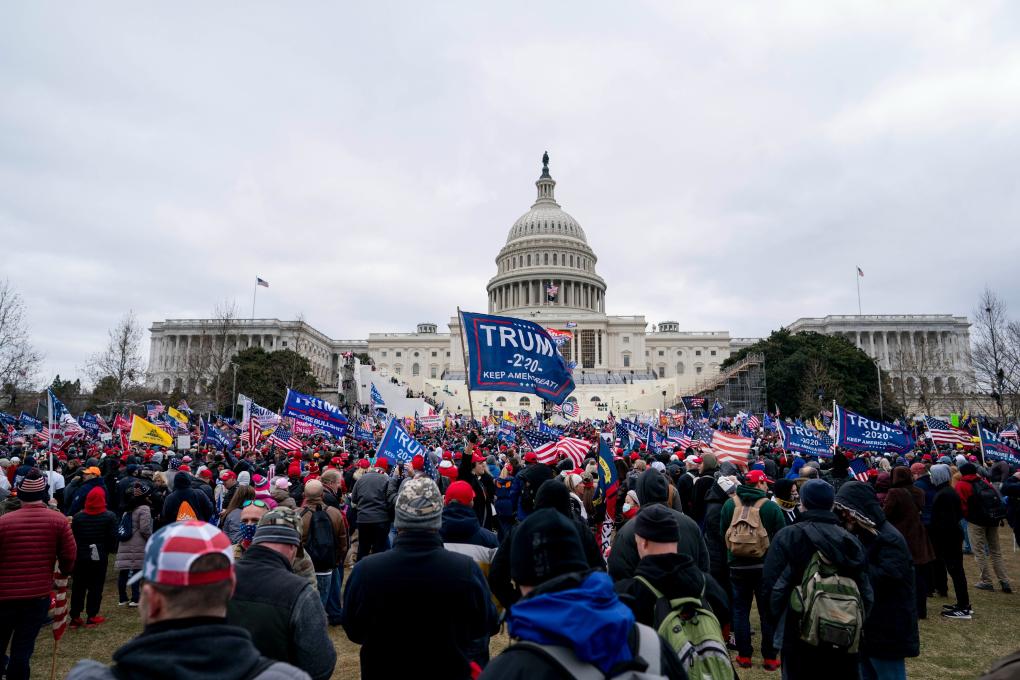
(282, 438)
(548, 447)
(859, 467)
(567, 409)
(731, 447)
(752, 422)
(58, 605)
(942, 432)
(1009, 433)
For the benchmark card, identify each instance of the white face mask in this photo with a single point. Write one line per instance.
(627, 507)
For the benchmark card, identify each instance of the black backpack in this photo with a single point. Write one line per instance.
(124, 528)
(985, 507)
(320, 545)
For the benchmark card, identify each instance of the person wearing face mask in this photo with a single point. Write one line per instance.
(251, 512)
(785, 494)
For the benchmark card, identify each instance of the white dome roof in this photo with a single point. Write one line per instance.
(546, 219)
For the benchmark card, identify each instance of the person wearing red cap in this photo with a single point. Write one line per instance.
(370, 499)
(475, 472)
(747, 560)
(95, 534)
(446, 467)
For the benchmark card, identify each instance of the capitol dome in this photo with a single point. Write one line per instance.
(546, 262)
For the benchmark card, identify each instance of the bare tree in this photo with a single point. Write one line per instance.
(18, 359)
(208, 355)
(996, 354)
(121, 363)
(817, 388)
(922, 372)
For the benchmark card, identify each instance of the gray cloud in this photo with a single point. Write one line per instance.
(731, 165)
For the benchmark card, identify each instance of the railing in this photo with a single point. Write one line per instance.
(722, 378)
(881, 317)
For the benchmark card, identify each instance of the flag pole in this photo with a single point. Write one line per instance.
(256, 291)
(858, 277)
(981, 446)
(463, 351)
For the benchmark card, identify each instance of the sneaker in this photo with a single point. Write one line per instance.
(744, 662)
(965, 614)
(94, 621)
(122, 603)
(1005, 587)
(132, 604)
(771, 664)
(76, 623)
(984, 586)
(731, 643)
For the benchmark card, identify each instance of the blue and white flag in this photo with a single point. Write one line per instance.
(854, 431)
(506, 433)
(318, 412)
(6, 419)
(717, 408)
(377, 400)
(996, 448)
(363, 433)
(397, 445)
(27, 422)
(806, 440)
(89, 423)
(551, 431)
(215, 436)
(513, 355)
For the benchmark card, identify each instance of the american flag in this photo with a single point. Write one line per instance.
(679, 438)
(753, 423)
(568, 409)
(58, 605)
(859, 467)
(282, 438)
(103, 427)
(943, 433)
(121, 423)
(731, 447)
(551, 292)
(549, 448)
(1009, 432)
(153, 410)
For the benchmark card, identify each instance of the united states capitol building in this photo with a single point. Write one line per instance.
(546, 272)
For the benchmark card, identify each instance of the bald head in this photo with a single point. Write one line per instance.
(313, 490)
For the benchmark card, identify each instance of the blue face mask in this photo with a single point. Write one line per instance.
(248, 532)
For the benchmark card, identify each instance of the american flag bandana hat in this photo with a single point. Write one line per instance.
(172, 550)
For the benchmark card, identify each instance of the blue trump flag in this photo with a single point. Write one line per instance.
(27, 422)
(514, 355)
(89, 423)
(854, 431)
(996, 448)
(215, 436)
(398, 445)
(805, 440)
(318, 412)
(6, 419)
(377, 399)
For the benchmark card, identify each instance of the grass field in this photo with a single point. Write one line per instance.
(949, 649)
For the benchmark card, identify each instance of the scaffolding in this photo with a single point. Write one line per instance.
(741, 387)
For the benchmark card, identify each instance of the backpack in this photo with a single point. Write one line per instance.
(185, 512)
(985, 507)
(746, 536)
(694, 633)
(830, 606)
(124, 528)
(649, 650)
(320, 545)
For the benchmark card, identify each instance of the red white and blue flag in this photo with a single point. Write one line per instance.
(284, 439)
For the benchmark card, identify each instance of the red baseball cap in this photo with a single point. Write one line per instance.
(447, 455)
(530, 457)
(383, 463)
(205, 474)
(756, 477)
(477, 457)
(634, 455)
(418, 462)
(461, 492)
(363, 463)
(227, 475)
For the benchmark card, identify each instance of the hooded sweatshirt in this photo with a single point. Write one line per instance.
(674, 575)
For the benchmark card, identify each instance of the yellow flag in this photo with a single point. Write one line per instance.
(177, 415)
(147, 433)
(819, 425)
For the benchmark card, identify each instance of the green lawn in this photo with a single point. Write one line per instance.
(949, 649)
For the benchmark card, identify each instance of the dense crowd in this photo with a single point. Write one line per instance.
(236, 559)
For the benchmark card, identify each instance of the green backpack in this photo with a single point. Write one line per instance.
(830, 606)
(694, 633)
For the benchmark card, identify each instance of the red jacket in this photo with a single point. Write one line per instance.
(32, 540)
(965, 489)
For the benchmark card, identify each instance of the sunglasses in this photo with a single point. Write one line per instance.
(256, 503)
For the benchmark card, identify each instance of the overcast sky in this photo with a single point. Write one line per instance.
(730, 164)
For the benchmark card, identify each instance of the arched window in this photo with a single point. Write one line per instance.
(545, 258)
(662, 371)
(500, 401)
(554, 258)
(596, 399)
(415, 369)
(529, 259)
(938, 385)
(679, 368)
(524, 402)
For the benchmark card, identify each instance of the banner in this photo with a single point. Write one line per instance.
(303, 429)
(431, 422)
(514, 355)
(398, 446)
(27, 422)
(215, 436)
(177, 415)
(363, 433)
(145, 432)
(89, 423)
(805, 440)
(854, 431)
(318, 412)
(996, 448)
(694, 402)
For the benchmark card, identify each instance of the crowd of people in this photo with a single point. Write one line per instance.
(236, 560)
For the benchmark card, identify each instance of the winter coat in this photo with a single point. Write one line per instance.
(772, 518)
(460, 525)
(946, 512)
(450, 587)
(714, 540)
(78, 501)
(701, 487)
(183, 491)
(926, 486)
(369, 496)
(282, 612)
(1011, 491)
(674, 575)
(187, 648)
(32, 538)
(890, 629)
(579, 611)
(902, 507)
(685, 488)
(788, 557)
(131, 553)
(341, 532)
(508, 493)
(652, 489)
(98, 530)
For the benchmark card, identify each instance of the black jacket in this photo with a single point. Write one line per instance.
(714, 541)
(701, 487)
(99, 530)
(685, 489)
(448, 586)
(1011, 491)
(890, 630)
(77, 502)
(788, 557)
(183, 491)
(652, 488)
(460, 525)
(946, 512)
(674, 575)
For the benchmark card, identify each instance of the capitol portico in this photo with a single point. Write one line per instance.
(546, 272)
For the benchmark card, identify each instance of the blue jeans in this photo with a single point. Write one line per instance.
(883, 669)
(322, 582)
(747, 584)
(332, 601)
(20, 621)
(966, 536)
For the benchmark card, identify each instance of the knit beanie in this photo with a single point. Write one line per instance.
(95, 502)
(657, 524)
(244, 478)
(419, 505)
(544, 546)
(33, 488)
(279, 525)
(968, 469)
(817, 494)
(940, 474)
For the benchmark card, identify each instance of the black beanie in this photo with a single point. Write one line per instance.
(553, 494)
(545, 545)
(657, 524)
(968, 469)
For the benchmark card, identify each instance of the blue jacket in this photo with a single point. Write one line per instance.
(460, 525)
(924, 484)
(508, 493)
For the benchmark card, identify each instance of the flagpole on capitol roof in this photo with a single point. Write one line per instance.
(256, 292)
(463, 351)
(860, 275)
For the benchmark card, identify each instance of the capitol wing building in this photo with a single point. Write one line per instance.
(546, 273)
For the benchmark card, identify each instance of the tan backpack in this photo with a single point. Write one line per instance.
(746, 535)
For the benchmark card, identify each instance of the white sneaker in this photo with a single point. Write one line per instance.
(132, 604)
(121, 604)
